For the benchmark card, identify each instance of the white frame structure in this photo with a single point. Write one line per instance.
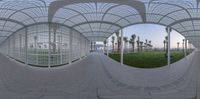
(96, 20)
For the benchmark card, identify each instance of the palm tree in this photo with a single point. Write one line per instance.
(115, 45)
(164, 42)
(178, 43)
(186, 45)
(166, 39)
(113, 41)
(118, 41)
(126, 41)
(183, 44)
(104, 47)
(138, 43)
(132, 41)
(150, 44)
(146, 44)
(141, 45)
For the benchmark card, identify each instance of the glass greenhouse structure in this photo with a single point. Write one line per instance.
(50, 33)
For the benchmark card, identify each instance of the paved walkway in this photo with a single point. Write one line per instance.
(98, 76)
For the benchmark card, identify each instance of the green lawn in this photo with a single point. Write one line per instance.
(147, 59)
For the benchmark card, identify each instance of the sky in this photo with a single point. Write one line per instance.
(155, 33)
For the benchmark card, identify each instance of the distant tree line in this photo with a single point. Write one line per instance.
(141, 45)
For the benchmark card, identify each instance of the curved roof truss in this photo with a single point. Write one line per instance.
(98, 19)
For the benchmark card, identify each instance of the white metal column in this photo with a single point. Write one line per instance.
(20, 46)
(168, 29)
(80, 43)
(61, 47)
(85, 51)
(9, 47)
(49, 51)
(185, 47)
(70, 46)
(26, 45)
(122, 48)
(107, 47)
(37, 56)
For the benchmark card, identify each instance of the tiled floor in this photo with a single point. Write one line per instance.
(97, 76)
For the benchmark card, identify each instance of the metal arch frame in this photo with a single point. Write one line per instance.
(179, 7)
(16, 11)
(90, 22)
(136, 15)
(102, 29)
(39, 23)
(188, 25)
(92, 13)
(193, 36)
(170, 13)
(172, 5)
(106, 12)
(96, 37)
(83, 34)
(184, 20)
(156, 23)
(147, 23)
(191, 31)
(21, 11)
(6, 31)
(182, 8)
(14, 21)
(120, 18)
(138, 5)
(176, 6)
(81, 15)
(32, 2)
(88, 32)
(154, 14)
(50, 22)
(139, 10)
(141, 22)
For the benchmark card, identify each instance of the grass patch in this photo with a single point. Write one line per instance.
(147, 59)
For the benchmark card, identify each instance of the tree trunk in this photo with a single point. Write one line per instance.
(118, 50)
(113, 46)
(133, 45)
(164, 46)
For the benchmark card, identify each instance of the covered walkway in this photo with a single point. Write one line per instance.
(50, 33)
(98, 76)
